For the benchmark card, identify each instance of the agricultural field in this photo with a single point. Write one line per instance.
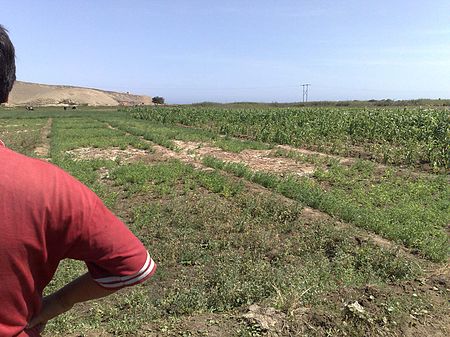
(263, 222)
(408, 136)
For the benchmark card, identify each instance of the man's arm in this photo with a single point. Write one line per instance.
(84, 229)
(82, 289)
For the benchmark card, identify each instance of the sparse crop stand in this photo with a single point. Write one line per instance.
(263, 220)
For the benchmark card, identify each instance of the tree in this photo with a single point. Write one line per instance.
(158, 100)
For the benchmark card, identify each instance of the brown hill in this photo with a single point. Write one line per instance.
(34, 94)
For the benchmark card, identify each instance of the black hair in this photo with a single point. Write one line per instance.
(7, 65)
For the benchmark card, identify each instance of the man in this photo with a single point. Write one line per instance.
(46, 216)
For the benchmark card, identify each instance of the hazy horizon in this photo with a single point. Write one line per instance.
(258, 51)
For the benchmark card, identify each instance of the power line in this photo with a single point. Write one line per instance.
(305, 91)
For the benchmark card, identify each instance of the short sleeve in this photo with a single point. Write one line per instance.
(115, 257)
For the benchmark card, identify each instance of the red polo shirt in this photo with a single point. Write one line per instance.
(46, 216)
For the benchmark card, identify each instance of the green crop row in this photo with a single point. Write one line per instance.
(164, 135)
(391, 135)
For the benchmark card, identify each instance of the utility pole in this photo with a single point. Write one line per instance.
(305, 91)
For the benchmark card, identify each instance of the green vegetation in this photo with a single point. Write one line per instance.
(353, 103)
(413, 212)
(164, 135)
(222, 242)
(411, 136)
(163, 178)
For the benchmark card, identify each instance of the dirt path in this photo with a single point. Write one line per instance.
(43, 149)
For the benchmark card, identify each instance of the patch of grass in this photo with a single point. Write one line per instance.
(77, 133)
(217, 183)
(151, 135)
(388, 208)
(168, 177)
(160, 179)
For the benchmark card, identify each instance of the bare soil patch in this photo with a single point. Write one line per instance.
(112, 153)
(312, 214)
(258, 160)
(270, 321)
(183, 156)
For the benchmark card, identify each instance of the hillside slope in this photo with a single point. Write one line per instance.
(25, 93)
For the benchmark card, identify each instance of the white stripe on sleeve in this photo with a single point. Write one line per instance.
(132, 281)
(119, 281)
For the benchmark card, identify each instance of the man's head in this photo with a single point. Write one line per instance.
(7, 65)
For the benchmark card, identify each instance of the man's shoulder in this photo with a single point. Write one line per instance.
(9, 154)
(33, 174)
(17, 163)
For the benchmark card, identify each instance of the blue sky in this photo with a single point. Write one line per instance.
(198, 50)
